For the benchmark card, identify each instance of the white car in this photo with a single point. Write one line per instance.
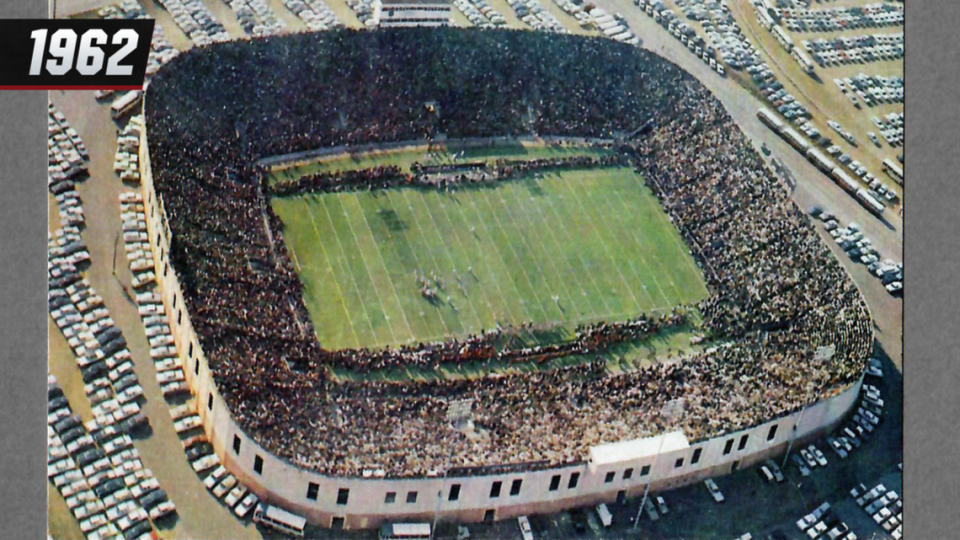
(895, 287)
(211, 480)
(525, 530)
(246, 505)
(224, 486)
(235, 495)
(714, 490)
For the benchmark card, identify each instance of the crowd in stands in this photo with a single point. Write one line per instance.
(777, 293)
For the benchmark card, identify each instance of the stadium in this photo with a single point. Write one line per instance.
(472, 274)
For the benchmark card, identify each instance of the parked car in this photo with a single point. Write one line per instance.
(714, 490)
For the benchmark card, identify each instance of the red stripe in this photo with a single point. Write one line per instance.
(94, 87)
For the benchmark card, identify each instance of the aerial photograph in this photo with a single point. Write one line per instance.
(481, 269)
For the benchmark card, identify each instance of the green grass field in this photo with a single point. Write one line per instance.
(572, 247)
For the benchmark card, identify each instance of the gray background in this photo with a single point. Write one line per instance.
(931, 330)
(931, 340)
(23, 332)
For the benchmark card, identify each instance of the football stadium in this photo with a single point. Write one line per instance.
(473, 274)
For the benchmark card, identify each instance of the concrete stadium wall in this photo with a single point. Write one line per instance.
(286, 485)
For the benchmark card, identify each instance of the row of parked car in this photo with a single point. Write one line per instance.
(533, 14)
(161, 51)
(196, 21)
(801, 19)
(891, 128)
(256, 18)
(884, 506)
(100, 476)
(363, 9)
(859, 248)
(169, 368)
(67, 158)
(823, 523)
(776, 95)
(872, 91)
(857, 49)
(126, 162)
(614, 27)
(575, 9)
(316, 14)
(683, 32)
(480, 13)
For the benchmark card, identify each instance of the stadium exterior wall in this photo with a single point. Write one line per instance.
(286, 485)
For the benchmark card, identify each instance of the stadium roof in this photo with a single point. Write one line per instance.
(619, 452)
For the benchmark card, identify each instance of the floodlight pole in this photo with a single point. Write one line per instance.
(436, 513)
(671, 413)
(793, 437)
(646, 488)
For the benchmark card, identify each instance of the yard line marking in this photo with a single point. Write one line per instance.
(394, 243)
(503, 262)
(683, 247)
(326, 258)
(466, 254)
(529, 251)
(446, 252)
(363, 259)
(413, 217)
(522, 268)
(607, 251)
(356, 289)
(637, 239)
(535, 230)
(632, 233)
(384, 265)
(499, 256)
(583, 262)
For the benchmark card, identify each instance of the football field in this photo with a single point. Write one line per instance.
(570, 247)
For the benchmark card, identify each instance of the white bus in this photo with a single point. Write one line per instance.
(405, 531)
(125, 104)
(893, 170)
(281, 520)
(803, 59)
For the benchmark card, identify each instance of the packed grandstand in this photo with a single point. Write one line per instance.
(776, 293)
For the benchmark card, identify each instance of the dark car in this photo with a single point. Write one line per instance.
(153, 498)
(125, 382)
(198, 451)
(67, 423)
(54, 391)
(106, 488)
(72, 434)
(138, 530)
(57, 403)
(89, 456)
(94, 371)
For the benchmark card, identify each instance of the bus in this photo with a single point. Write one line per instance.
(405, 531)
(770, 119)
(803, 59)
(868, 202)
(281, 520)
(893, 170)
(124, 104)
